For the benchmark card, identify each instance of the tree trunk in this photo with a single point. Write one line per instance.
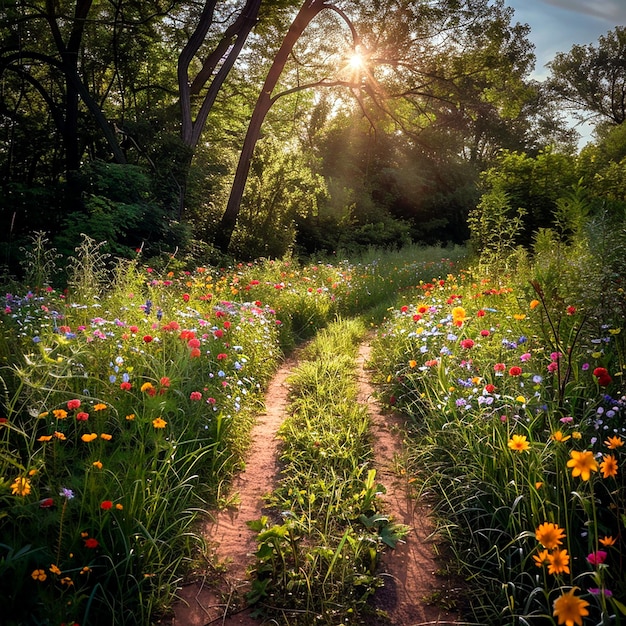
(264, 102)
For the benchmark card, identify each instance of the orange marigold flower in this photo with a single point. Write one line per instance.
(106, 436)
(582, 464)
(609, 466)
(89, 437)
(97, 464)
(558, 562)
(534, 304)
(45, 438)
(60, 414)
(99, 407)
(549, 535)
(147, 387)
(55, 570)
(570, 609)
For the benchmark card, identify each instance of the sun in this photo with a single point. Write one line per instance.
(356, 61)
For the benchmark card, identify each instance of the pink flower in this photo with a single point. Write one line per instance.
(73, 404)
(552, 367)
(597, 558)
(193, 343)
(221, 356)
(195, 395)
(525, 357)
(484, 333)
(82, 416)
(499, 367)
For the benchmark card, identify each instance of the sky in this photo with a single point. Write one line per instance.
(556, 25)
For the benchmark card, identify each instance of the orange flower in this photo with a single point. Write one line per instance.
(609, 466)
(541, 558)
(607, 541)
(60, 414)
(99, 407)
(549, 535)
(519, 443)
(534, 304)
(106, 436)
(559, 436)
(159, 423)
(614, 442)
(582, 464)
(558, 562)
(570, 609)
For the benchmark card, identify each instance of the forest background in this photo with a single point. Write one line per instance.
(194, 129)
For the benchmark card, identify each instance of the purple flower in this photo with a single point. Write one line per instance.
(66, 493)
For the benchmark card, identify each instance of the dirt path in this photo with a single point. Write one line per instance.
(408, 571)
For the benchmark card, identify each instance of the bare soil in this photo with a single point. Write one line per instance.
(409, 571)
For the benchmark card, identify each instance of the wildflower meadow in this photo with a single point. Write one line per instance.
(128, 398)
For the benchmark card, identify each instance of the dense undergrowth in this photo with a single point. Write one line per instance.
(126, 405)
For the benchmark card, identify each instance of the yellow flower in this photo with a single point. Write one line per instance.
(534, 304)
(549, 535)
(97, 464)
(147, 387)
(39, 575)
(106, 436)
(577, 435)
(60, 414)
(130, 417)
(558, 562)
(607, 541)
(519, 443)
(519, 316)
(55, 570)
(609, 466)
(99, 407)
(520, 399)
(44, 414)
(20, 486)
(87, 438)
(541, 558)
(458, 314)
(614, 442)
(570, 609)
(582, 464)
(159, 423)
(558, 436)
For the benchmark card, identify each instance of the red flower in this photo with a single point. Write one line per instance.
(195, 353)
(186, 297)
(467, 343)
(515, 371)
(147, 338)
(106, 505)
(193, 343)
(73, 404)
(490, 388)
(91, 543)
(404, 308)
(195, 395)
(82, 416)
(218, 333)
(600, 371)
(604, 381)
(221, 356)
(126, 386)
(165, 381)
(484, 333)
(46, 503)
(480, 313)
(499, 367)
(571, 310)
(226, 325)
